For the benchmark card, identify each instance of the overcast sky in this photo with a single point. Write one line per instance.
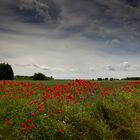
(71, 38)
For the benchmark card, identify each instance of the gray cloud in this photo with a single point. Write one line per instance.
(124, 66)
(94, 18)
(32, 11)
(98, 15)
(23, 65)
(42, 67)
(40, 8)
(111, 68)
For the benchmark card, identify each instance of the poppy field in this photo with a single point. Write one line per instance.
(76, 110)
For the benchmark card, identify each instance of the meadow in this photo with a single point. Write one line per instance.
(69, 110)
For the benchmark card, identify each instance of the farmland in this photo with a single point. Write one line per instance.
(70, 110)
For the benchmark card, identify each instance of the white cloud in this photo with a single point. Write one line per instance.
(92, 69)
(43, 67)
(125, 66)
(115, 41)
(136, 67)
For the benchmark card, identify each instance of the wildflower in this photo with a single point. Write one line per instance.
(44, 99)
(8, 122)
(33, 126)
(22, 124)
(40, 108)
(69, 97)
(31, 91)
(28, 121)
(59, 111)
(60, 131)
(25, 128)
(31, 114)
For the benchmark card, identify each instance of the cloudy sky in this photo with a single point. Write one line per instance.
(71, 38)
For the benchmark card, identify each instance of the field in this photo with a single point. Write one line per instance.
(70, 110)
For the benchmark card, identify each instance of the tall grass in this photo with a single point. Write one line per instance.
(92, 116)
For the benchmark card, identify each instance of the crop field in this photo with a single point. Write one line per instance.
(69, 110)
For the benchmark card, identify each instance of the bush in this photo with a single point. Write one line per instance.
(99, 79)
(6, 72)
(39, 76)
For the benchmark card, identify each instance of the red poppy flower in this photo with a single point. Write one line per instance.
(28, 121)
(59, 111)
(8, 122)
(32, 125)
(60, 131)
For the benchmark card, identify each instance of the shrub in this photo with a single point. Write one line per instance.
(39, 76)
(99, 79)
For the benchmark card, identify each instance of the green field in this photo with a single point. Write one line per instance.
(58, 82)
(69, 110)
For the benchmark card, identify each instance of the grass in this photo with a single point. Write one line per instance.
(77, 110)
(48, 82)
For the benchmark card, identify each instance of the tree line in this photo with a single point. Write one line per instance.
(6, 73)
(112, 79)
(36, 76)
(131, 78)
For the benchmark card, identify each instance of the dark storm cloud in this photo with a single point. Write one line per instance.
(106, 19)
(101, 9)
(101, 18)
(32, 11)
(112, 24)
(133, 3)
(38, 11)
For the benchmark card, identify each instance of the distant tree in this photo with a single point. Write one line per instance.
(39, 76)
(115, 79)
(111, 79)
(99, 79)
(131, 78)
(106, 78)
(49, 78)
(6, 72)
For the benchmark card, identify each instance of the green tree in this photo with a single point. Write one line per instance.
(106, 78)
(6, 72)
(99, 79)
(39, 76)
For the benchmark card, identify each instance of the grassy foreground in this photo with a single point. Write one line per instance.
(70, 110)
